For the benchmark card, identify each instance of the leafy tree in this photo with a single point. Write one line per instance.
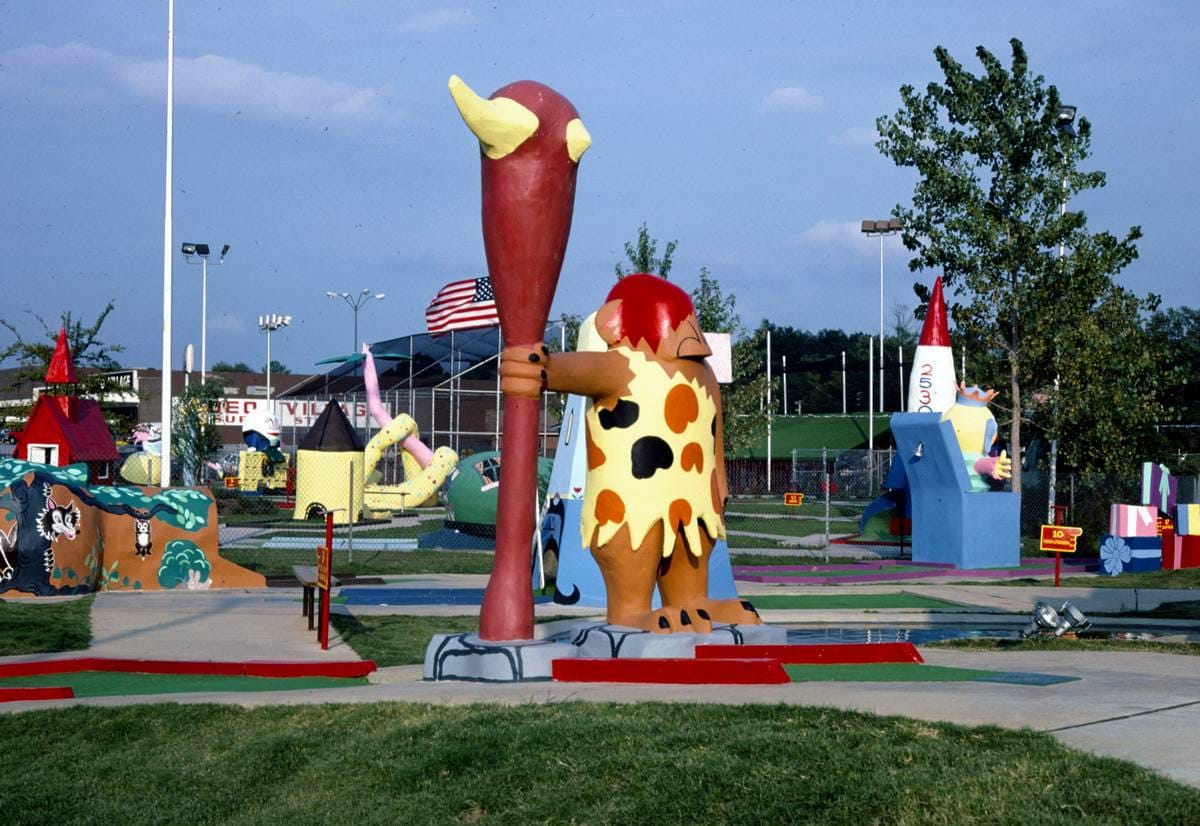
(33, 356)
(278, 368)
(716, 311)
(87, 349)
(643, 256)
(570, 323)
(194, 436)
(1174, 336)
(226, 367)
(995, 170)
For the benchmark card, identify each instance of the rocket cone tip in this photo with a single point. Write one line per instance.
(936, 332)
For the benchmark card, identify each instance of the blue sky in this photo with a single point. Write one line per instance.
(318, 139)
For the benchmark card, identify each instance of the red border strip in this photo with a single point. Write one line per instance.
(55, 692)
(353, 668)
(740, 671)
(830, 654)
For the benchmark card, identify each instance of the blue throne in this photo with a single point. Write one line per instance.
(950, 522)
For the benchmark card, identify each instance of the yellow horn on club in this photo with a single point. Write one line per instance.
(501, 125)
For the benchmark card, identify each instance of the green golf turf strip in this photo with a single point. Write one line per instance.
(115, 684)
(835, 601)
(891, 569)
(884, 672)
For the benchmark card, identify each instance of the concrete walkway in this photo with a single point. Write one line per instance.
(1138, 706)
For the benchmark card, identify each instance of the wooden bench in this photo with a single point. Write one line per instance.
(307, 576)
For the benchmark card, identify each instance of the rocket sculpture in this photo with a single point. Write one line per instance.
(531, 140)
(931, 385)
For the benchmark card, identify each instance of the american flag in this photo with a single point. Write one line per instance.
(462, 305)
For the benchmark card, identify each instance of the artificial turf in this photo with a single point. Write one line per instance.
(911, 673)
(847, 601)
(117, 684)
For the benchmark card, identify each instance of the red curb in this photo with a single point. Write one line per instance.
(830, 654)
(16, 695)
(740, 671)
(353, 668)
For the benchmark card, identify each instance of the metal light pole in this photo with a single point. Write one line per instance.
(1065, 123)
(268, 324)
(201, 252)
(165, 407)
(355, 302)
(888, 226)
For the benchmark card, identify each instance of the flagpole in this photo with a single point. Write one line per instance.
(165, 409)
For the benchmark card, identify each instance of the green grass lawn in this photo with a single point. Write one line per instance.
(397, 639)
(735, 541)
(1189, 610)
(1187, 579)
(273, 562)
(32, 627)
(789, 527)
(812, 508)
(1058, 644)
(562, 763)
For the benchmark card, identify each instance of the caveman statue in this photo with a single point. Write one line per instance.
(654, 498)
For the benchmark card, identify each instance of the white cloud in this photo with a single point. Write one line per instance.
(436, 20)
(791, 99)
(210, 82)
(846, 235)
(855, 137)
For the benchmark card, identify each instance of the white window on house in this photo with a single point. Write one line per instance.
(43, 454)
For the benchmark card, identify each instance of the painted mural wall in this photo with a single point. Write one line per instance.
(58, 535)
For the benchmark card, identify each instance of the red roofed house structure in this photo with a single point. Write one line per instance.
(63, 429)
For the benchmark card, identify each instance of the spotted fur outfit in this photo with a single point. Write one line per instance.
(652, 457)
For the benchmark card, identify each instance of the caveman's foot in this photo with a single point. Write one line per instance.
(695, 618)
(732, 611)
(669, 619)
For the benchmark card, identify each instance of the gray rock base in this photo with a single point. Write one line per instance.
(598, 640)
(466, 657)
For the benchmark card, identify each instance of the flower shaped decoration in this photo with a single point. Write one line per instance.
(1115, 554)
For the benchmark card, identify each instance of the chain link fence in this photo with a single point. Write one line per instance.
(260, 521)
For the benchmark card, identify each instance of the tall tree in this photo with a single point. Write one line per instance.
(996, 168)
(716, 311)
(194, 436)
(87, 350)
(33, 355)
(643, 256)
(226, 367)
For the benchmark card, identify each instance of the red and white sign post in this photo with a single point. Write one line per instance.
(1060, 539)
(324, 574)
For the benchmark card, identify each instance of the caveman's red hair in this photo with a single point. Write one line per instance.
(651, 307)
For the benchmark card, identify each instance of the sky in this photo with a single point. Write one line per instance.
(318, 139)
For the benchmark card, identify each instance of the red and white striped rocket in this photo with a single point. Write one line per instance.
(932, 387)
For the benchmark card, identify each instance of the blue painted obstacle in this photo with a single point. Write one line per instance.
(950, 522)
(579, 582)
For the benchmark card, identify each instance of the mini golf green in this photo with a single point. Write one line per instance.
(847, 601)
(116, 683)
(913, 672)
(841, 572)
